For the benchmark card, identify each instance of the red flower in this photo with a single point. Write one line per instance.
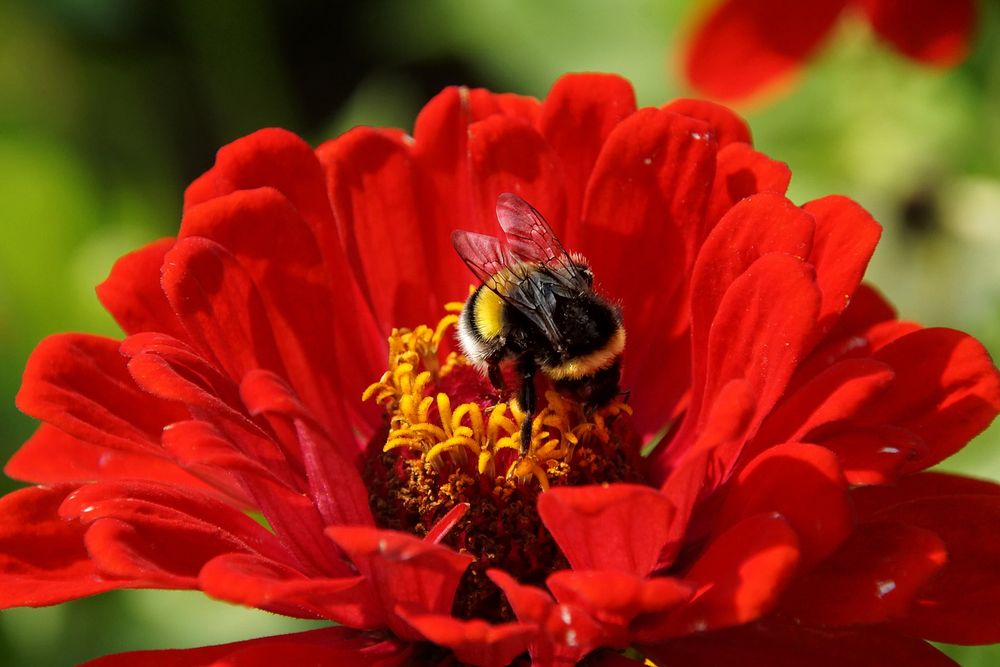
(785, 515)
(744, 46)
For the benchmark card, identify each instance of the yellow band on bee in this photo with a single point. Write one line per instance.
(589, 364)
(488, 314)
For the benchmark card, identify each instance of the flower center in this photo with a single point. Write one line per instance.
(450, 438)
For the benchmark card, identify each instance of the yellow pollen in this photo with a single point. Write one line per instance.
(459, 433)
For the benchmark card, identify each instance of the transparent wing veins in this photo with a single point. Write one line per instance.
(504, 266)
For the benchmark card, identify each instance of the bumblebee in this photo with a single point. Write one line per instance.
(537, 307)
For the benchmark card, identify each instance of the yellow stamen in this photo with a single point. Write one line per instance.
(444, 412)
(485, 465)
(408, 392)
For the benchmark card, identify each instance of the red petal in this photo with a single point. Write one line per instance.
(846, 235)
(752, 338)
(132, 293)
(727, 126)
(725, 429)
(508, 155)
(203, 451)
(201, 189)
(924, 485)
(253, 581)
(882, 334)
(271, 241)
(167, 369)
(224, 437)
(597, 527)
(475, 642)
(805, 485)
(951, 395)
(868, 323)
(649, 186)
(118, 551)
(577, 116)
(171, 370)
(418, 576)
(873, 577)
(643, 209)
(334, 481)
(773, 645)
(269, 158)
(387, 242)
(273, 489)
(220, 307)
(156, 505)
(930, 31)
(837, 393)
(961, 604)
(740, 172)
(615, 597)
(326, 646)
(79, 384)
(42, 557)
(485, 102)
(294, 518)
(871, 455)
(443, 526)
(708, 463)
(441, 136)
(160, 534)
(441, 154)
(866, 308)
(756, 227)
(745, 45)
(53, 457)
(567, 632)
(609, 659)
(280, 160)
(740, 577)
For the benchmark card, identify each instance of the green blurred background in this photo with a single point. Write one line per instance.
(109, 107)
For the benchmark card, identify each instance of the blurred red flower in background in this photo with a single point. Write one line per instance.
(741, 47)
(783, 516)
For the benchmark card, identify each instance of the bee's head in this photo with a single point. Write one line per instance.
(582, 266)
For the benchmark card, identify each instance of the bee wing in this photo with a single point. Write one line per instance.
(486, 258)
(532, 240)
(498, 269)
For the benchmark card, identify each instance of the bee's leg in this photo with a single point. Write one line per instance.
(527, 400)
(496, 377)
